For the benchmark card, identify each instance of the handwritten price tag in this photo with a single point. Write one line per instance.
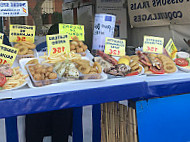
(58, 50)
(114, 52)
(58, 44)
(1, 38)
(72, 30)
(153, 44)
(7, 54)
(22, 33)
(171, 49)
(115, 47)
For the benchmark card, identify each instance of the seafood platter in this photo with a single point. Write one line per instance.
(76, 66)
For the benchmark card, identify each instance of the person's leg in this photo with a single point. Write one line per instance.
(62, 125)
(37, 126)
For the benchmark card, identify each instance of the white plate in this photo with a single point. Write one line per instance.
(15, 87)
(113, 76)
(27, 79)
(23, 62)
(162, 74)
(183, 69)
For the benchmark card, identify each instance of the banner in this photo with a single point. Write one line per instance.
(158, 12)
(13, 8)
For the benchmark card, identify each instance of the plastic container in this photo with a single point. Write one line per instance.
(18, 57)
(183, 55)
(89, 76)
(41, 82)
(104, 25)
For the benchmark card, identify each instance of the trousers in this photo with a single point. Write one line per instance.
(57, 124)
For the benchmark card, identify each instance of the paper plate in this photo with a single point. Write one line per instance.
(15, 87)
(183, 69)
(162, 74)
(27, 79)
(23, 62)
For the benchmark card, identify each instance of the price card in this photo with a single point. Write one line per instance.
(58, 44)
(153, 44)
(72, 30)
(1, 38)
(22, 33)
(171, 49)
(7, 54)
(115, 47)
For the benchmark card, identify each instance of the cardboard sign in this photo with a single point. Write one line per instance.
(153, 44)
(22, 33)
(171, 49)
(115, 47)
(58, 44)
(72, 30)
(1, 38)
(7, 54)
(13, 8)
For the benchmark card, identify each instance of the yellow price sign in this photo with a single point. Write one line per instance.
(171, 49)
(115, 47)
(7, 54)
(58, 44)
(153, 44)
(72, 30)
(1, 38)
(22, 33)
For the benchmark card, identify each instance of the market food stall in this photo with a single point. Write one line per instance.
(65, 74)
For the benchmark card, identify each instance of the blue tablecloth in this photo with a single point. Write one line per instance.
(60, 96)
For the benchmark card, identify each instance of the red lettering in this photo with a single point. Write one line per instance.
(58, 50)
(54, 50)
(21, 39)
(63, 49)
(119, 52)
(3, 61)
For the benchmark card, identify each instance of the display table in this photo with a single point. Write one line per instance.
(66, 95)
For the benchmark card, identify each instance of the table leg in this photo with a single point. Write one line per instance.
(77, 125)
(11, 129)
(96, 118)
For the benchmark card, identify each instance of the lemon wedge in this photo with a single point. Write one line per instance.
(123, 61)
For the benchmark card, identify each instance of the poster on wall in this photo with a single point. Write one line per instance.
(115, 7)
(158, 12)
(13, 8)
